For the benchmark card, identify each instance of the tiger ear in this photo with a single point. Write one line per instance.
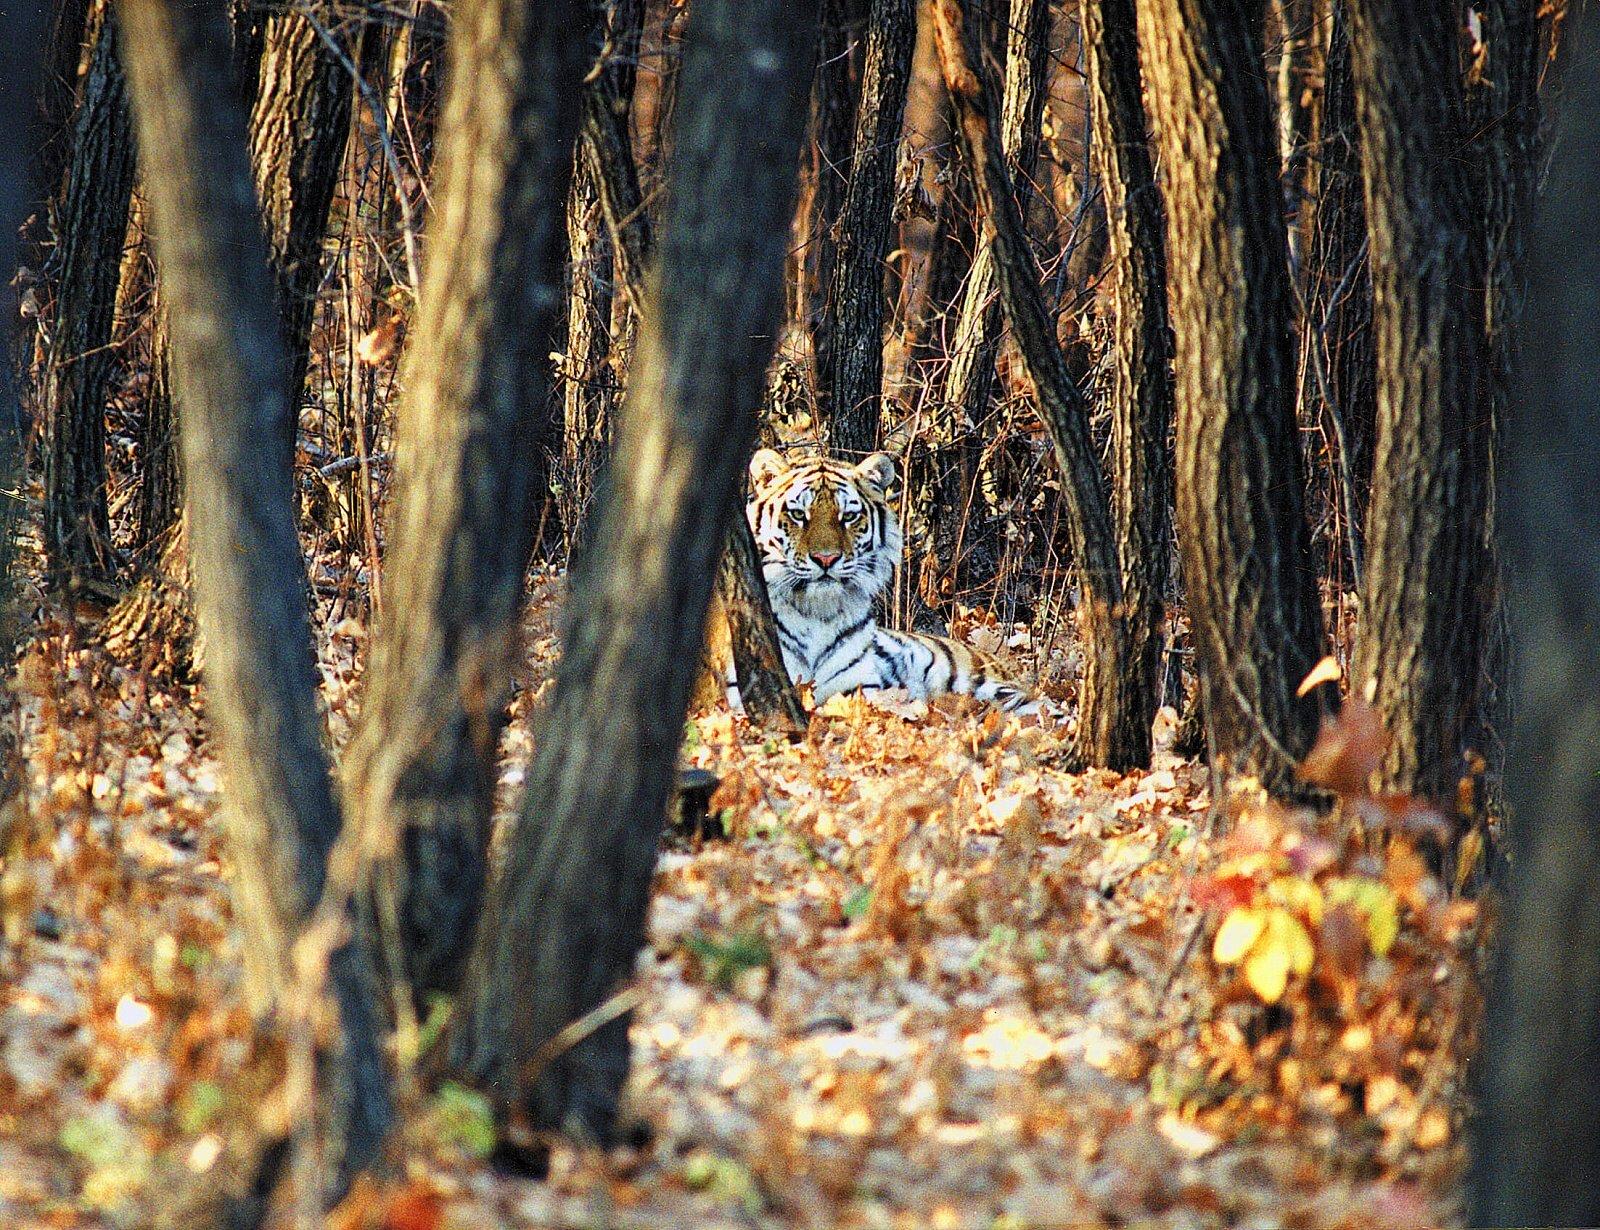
(766, 465)
(879, 472)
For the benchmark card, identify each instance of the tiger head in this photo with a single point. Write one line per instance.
(828, 537)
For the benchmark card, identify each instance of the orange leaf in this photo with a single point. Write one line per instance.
(1348, 748)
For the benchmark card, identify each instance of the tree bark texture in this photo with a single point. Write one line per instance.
(1339, 366)
(299, 125)
(588, 388)
(261, 685)
(471, 426)
(564, 923)
(850, 340)
(765, 689)
(1142, 395)
(834, 92)
(970, 381)
(57, 94)
(160, 484)
(1422, 611)
(93, 225)
(608, 144)
(1242, 535)
(1504, 116)
(1536, 1155)
(1111, 733)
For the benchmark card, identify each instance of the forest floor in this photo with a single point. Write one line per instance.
(931, 980)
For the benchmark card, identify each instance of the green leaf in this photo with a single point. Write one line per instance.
(722, 961)
(465, 1118)
(858, 902)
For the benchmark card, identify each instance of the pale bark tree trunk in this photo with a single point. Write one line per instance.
(472, 422)
(93, 223)
(1110, 732)
(1242, 536)
(850, 340)
(564, 923)
(229, 367)
(1142, 396)
(1422, 611)
(1536, 1155)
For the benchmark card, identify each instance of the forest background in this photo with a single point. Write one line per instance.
(1202, 337)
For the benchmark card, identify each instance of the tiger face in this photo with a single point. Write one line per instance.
(828, 537)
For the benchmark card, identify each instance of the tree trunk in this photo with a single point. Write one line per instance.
(472, 420)
(765, 689)
(299, 125)
(1422, 616)
(564, 923)
(94, 222)
(161, 484)
(58, 92)
(1241, 526)
(608, 145)
(970, 381)
(1504, 114)
(833, 96)
(588, 392)
(1536, 1155)
(850, 340)
(1337, 360)
(1141, 408)
(229, 369)
(1111, 732)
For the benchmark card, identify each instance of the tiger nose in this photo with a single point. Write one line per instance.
(825, 559)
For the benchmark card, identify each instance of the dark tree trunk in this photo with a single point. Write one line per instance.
(564, 923)
(1504, 116)
(970, 382)
(765, 689)
(1111, 730)
(1536, 1155)
(608, 145)
(94, 223)
(58, 91)
(850, 339)
(299, 126)
(833, 106)
(1141, 408)
(21, 52)
(160, 485)
(230, 370)
(1338, 377)
(1422, 613)
(472, 424)
(1241, 526)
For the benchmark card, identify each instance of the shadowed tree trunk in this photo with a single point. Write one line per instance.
(970, 381)
(1337, 330)
(608, 144)
(93, 224)
(1111, 731)
(299, 125)
(1422, 613)
(564, 923)
(765, 689)
(1141, 409)
(833, 110)
(1504, 116)
(850, 339)
(58, 91)
(229, 369)
(1536, 1154)
(1241, 525)
(472, 421)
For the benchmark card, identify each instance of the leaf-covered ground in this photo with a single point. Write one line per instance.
(931, 980)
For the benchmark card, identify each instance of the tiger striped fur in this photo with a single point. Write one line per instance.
(829, 541)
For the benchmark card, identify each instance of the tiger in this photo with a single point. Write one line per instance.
(829, 541)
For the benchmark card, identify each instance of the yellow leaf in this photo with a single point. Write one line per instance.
(1238, 934)
(1267, 971)
(1298, 896)
(1284, 947)
(1325, 671)
(1376, 903)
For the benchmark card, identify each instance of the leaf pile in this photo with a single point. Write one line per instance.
(931, 980)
